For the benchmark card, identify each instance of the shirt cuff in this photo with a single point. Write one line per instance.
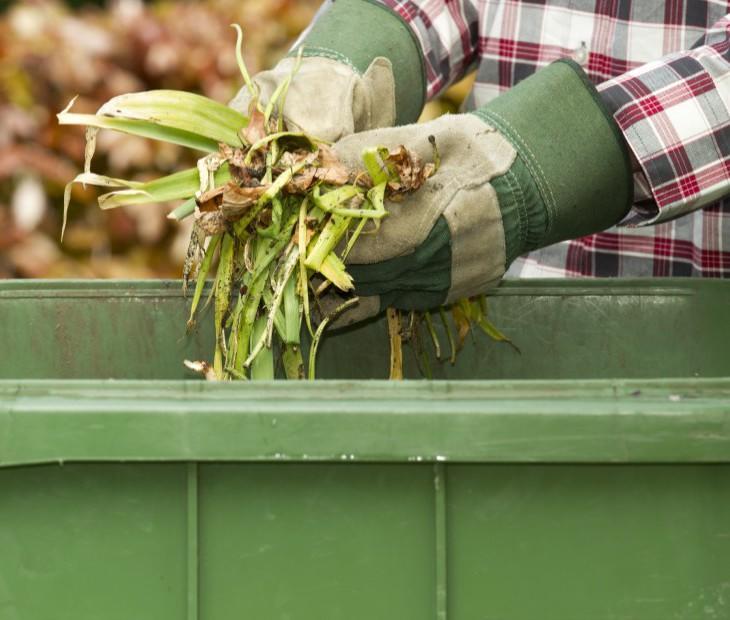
(677, 126)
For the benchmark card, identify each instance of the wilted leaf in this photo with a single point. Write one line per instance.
(237, 200)
(396, 343)
(211, 223)
(409, 168)
(211, 200)
(322, 166)
(194, 254)
(256, 128)
(463, 324)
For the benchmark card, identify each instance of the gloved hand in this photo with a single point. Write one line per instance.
(328, 98)
(542, 163)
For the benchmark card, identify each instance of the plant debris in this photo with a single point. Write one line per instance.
(271, 207)
(272, 204)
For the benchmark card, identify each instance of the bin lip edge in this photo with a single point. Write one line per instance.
(599, 421)
(523, 286)
(618, 385)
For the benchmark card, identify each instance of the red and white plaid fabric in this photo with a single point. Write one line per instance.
(663, 68)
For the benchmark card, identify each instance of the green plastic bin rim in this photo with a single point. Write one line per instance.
(524, 287)
(593, 421)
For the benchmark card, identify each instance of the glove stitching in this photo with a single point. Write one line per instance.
(367, 100)
(331, 54)
(390, 102)
(347, 112)
(540, 178)
(459, 282)
(514, 186)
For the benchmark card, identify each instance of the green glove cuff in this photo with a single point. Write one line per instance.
(356, 32)
(524, 216)
(573, 174)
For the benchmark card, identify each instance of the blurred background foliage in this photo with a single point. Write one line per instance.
(51, 51)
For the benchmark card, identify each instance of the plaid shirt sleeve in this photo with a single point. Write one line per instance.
(448, 33)
(674, 115)
(674, 112)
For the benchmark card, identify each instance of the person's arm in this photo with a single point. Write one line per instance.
(541, 163)
(674, 114)
(443, 47)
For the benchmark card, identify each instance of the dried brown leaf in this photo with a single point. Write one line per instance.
(237, 200)
(246, 174)
(194, 254)
(211, 200)
(309, 232)
(256, 128)
(334, 171)
(289, 159)
(396, 344)
(211, 223)
(412, 172)
(463, 325)
(251, 175)
(325, 168)
(231, 154)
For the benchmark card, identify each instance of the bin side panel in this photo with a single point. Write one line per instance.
(573, 334)
(93, 542)
(316, 542)
(114, 337)
(575, 329)
(600, 542)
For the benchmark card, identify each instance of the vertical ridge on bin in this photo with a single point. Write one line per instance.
(439, 486)
(192, 541)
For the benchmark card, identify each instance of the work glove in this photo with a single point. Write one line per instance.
(542, 163)
(362, 68)
(328, 98)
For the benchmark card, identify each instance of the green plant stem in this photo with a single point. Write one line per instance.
(222, 301)
(289, 265)
(293, 361)
(201, 279)
(432, 334)
(248, 316)
(449, 335)
(281, 90)
(292, 313)
(242, 66)
(320, 330)
(330, 236)
(272, 137)
(262, 368)
(303, 279)
(266, 197)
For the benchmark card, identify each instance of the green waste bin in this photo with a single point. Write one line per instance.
(587, 478)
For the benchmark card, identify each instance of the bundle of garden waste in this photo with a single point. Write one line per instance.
(276, 213)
